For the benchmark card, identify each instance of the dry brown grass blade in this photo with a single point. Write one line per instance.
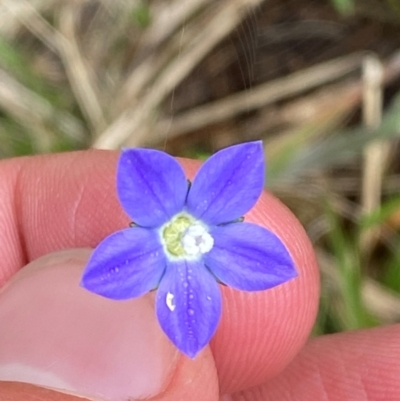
(381, 302)
(151, 57)
(170, 17)
(376, 153)
(262, 95)
(65, 46)
(28, 109)
(34, 22)
(13, 12)
(378, 300)
(36, 113)
(338, 98)
(314, 116)
(81, 77)
(132, 124)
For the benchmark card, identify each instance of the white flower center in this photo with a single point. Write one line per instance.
(196, 240)
(184, 237)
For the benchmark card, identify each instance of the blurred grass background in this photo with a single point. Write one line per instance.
(317, 80)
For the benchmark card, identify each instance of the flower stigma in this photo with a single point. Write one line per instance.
(196, 240)
(184, 236)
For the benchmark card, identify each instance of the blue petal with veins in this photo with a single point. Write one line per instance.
(228, 184)
(188, 305)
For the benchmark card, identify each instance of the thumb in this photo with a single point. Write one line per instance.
(56, 335)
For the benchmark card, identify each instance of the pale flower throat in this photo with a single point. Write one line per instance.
(183, 236)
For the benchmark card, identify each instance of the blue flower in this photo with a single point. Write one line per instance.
(187, 238)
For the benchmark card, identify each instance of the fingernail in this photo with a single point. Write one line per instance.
(55, 334)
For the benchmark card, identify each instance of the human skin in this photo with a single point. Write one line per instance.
(64, 204)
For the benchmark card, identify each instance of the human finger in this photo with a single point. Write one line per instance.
(62, 201)
(357, 366)
(56, 335)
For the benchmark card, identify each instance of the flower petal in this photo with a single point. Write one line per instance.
(188, 305)
(228, 184)
(249, 257)
(126, 264)
(151, 186)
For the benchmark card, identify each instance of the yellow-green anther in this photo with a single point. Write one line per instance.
(184, 236)
(173, 233)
